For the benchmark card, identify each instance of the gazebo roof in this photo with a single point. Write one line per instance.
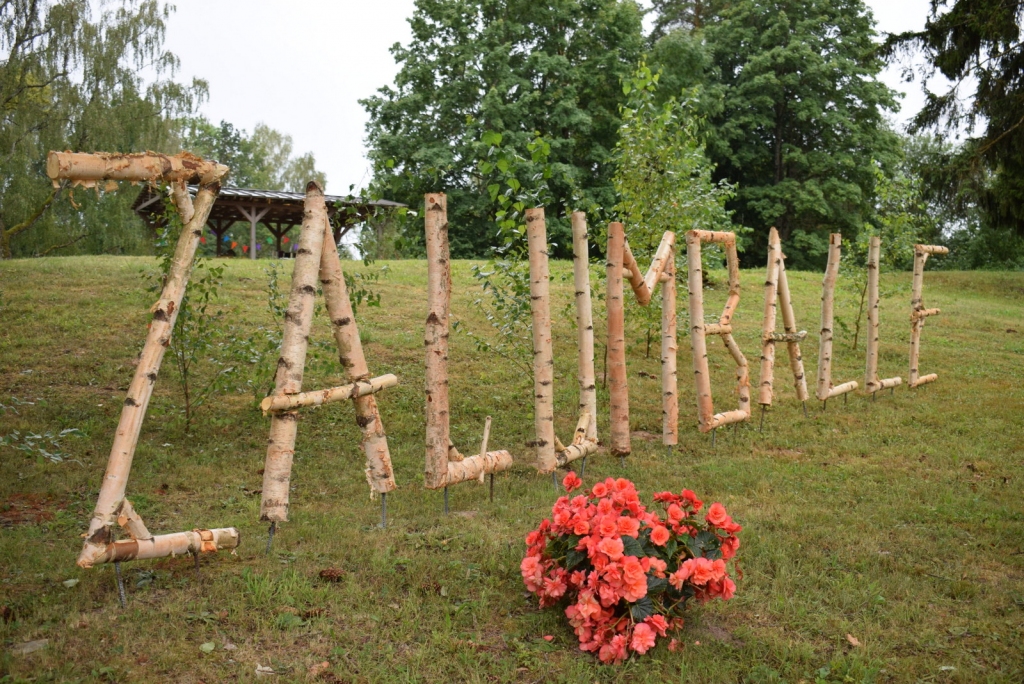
(270, 207)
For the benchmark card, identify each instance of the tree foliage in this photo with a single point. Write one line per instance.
(74, 75)
(517, 67)
(796, 116)
(975, 44)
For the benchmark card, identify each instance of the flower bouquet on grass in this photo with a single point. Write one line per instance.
(626, 572)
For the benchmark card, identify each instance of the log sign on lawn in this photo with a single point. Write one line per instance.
(112, 507)
(918, 313)
(873, 383)
(445, 465)
(622, 264)
(706, 416)
(317, 256)
(551, 453)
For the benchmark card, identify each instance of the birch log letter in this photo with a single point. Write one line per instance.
(872, 383)
(618, 389)
(918, 313)
(826, 390)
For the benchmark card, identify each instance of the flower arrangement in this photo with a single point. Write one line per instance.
(627, 572)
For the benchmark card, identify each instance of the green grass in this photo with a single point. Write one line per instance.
(898, 521)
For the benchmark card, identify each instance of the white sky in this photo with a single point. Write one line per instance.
(302, 65)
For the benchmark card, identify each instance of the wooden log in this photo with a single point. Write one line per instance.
(872, 383)
(732, 262)
(182, 201)
(377, 455)
(918, 313)
(698, 343)
(291, 402)
(825, 390)
(584, 319)
(475, 467)
(771, 291)
(131, 521)
(721, 237)
(88, 169)
(793, 336)
(618, 389)
(165, 313)
(631, 271)
(439, 285)
(581, 446)
(291, 365)
(543, 355)
(742, 373)
(789, 337)
(483, 444)
(177, 544)
(661, 261)
(716, 329)
(669, 353)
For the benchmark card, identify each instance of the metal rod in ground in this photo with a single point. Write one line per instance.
(874, 395)
(492, 487)
(735, 428)
(761, 426)
(446, 501)
(383, 510)
(195, 557)
(824, 404)
(805, 409)
(893, 392)
(713, 432)
(120, 585)
(668, 451)
(583, 467)
(554, 479)
(622, 461)
(270, 535)
(846, 399)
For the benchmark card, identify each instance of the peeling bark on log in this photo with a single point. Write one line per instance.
(584, 320)
(177, 544)
(328, 396)
(872, 383)
(165, 313)
(618, 389)
(88, 169)
(131, 521)
(669, 353)
(828, 288)
(543, 355)
(182, 201)
(435, 341)
(291, 365)
(918, 313)
(377, 455)
(771, 291)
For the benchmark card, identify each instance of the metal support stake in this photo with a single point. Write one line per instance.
(622, 461)
(492, 487)
(761, 426)
(735, 428)
(383, 510)
(195, 557)
(713, 432)
(805, 409)
(668, 451)
(270, 535)
(824, 404)
(893, 392)
(120, 585)
(554, 479)
(874, 395)
(446, 501)
(846, 399)
(583, 467)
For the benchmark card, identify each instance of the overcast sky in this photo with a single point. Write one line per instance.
(302, 65)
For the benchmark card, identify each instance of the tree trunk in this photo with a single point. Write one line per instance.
(618, 387)
(543, 356)
(584, 321)
(377, 455)
(291, 365)
(771, 291)
(669, 353)
(828, 287)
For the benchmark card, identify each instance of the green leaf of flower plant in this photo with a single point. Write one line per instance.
(641, 609)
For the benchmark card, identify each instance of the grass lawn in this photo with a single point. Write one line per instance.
(897, 521)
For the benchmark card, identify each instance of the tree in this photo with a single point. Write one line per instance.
(517, 67)
(689, 15)
(75, 77)
(263, 160)
(796, 117)
(976, 42)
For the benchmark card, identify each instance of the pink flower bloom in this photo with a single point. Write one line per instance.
(729, 547)
(572, 482)
(609, 526)
(643, 638)
(657, 567)
(612, 547)
(658, 623)
(675, 513)
(581, 527)
(600, 490)
(628, 527)
(660, 535)
(717, 515)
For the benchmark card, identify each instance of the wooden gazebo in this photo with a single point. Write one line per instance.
(278, 211)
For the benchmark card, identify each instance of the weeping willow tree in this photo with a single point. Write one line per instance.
(81, 76)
